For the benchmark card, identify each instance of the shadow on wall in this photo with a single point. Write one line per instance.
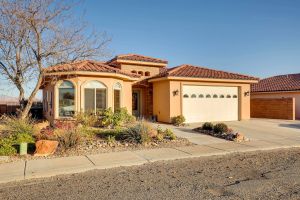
(297, 126)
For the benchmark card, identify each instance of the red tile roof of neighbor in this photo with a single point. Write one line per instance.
(288, 82)
(136, 57)
(201, 72)
(87, 65)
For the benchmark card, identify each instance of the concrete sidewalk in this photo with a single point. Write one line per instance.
(68, 165)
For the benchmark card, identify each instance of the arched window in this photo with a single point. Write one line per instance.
(141, 73)
(208, 96)
(66, 105)
(133, 71)
(222, 96)
(117, 96)
(201, 96)
(94, 96)
(228, 96)
(194, 96)
(234, 96)
(186, 96)
(215, 96)
(147, 73)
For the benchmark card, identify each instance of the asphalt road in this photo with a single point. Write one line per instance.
(256, 175)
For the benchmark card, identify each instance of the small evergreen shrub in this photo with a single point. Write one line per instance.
(220, 128)
(6, 148)
(169, 134)
(208, 126)
(178, 120)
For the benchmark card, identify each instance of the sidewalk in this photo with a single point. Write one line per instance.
(68, 165)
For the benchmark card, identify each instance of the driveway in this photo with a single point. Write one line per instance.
(269, 130)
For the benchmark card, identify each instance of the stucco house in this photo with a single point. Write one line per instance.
(147, 88)
(278, 87)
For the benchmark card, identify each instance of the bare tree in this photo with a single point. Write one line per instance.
(35, 34)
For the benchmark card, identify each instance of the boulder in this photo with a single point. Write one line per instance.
(239, 137)
(45, 147)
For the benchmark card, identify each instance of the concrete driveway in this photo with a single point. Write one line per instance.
(264, 130)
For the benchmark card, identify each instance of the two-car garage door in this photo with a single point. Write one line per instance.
(209, 103)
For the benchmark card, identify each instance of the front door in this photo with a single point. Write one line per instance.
(136, 103)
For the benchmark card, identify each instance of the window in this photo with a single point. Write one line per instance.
(134, 72)
(94, 96)
(222, 96)
(201, 96)
(117, 96)
(141, 73)
(208, 96)
(234, 96)
(186, 96)
(147, 73)
(194, 96)
(215, 96)
(228, 96)
(66, 105)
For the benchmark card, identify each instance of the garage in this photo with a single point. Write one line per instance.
(210, 103)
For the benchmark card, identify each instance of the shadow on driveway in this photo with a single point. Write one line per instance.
(296, 126)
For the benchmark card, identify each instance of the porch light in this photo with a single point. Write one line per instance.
(175, 92)
(247, 93)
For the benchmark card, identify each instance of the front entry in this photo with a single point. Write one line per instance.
(136, 103)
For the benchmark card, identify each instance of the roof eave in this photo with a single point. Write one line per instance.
(155, 64)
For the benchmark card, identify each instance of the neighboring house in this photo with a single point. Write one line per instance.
(278, 87)
(147, 88)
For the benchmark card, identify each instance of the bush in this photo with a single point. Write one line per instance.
(139, 133)
(87, 119)
(178, 120)
(168, 134)
(6, 148)
(107, 117)
(160, 137)
(220, 128)
(208, 126)
(111, 139)
(118, 118)
(68, 138)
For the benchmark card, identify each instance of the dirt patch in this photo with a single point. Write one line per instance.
(255, 175)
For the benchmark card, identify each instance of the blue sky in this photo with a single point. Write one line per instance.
(255, 37)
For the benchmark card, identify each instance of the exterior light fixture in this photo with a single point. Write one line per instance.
(247, 93)
(175, 92)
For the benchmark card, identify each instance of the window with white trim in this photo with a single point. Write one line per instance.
(94, 96)
(117, 96)
(66, 105)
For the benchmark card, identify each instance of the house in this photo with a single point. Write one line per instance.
(279, 87)
(147, 88)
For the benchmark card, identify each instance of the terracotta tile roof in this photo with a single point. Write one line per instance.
(88, 66)
(191, 71)
(136, 57)
(288, 82)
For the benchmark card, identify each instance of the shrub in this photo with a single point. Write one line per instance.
(139, 133)
(6, 148)
(122, 117)
(107, 117)
(178, 120)
(208, 126)
(23, 138)
(68, 138)
(160, 137)
(111, 139)
(168, 134)
(220, 128)
(87, 119)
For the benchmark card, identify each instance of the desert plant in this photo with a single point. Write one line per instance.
(68, 138)
(169, 134)
(220, 128)
(86, 119)
(15, 126)
(160, 137)
(139, 133)
(111, 139)
(208, 126)
(6, 148)
(107, 117)
(23, 138)
(122, 117)
(178, 120)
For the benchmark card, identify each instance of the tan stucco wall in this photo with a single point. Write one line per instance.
(166, 105)
(79, 82)
(296, 95)
(152, 69)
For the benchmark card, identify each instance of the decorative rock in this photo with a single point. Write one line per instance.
(45, 147)
(239, 137)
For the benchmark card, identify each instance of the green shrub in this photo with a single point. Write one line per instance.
(68, 138)
(220, 128)
(87, 119)
(121, 117)
(178, 120)
(160, 137)
(6, 148)
(168, 134)
(208, 126)
(23, 138)
(139, 133)
(107, 117)
(111, 139)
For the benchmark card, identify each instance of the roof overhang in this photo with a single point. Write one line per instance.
(274, 92)
(175, 78)
(154, 64)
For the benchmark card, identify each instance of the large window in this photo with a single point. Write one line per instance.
(94, 96)
(66, 107)
(117, 96)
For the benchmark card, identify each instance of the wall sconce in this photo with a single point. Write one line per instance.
(247, 93)
(175, 92)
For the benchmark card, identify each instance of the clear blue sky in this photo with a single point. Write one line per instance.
(256, 37)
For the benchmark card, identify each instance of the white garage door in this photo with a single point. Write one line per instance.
(209, 103)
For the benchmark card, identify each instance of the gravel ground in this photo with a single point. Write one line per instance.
(256, 175)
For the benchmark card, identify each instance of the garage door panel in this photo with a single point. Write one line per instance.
(210, 109)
